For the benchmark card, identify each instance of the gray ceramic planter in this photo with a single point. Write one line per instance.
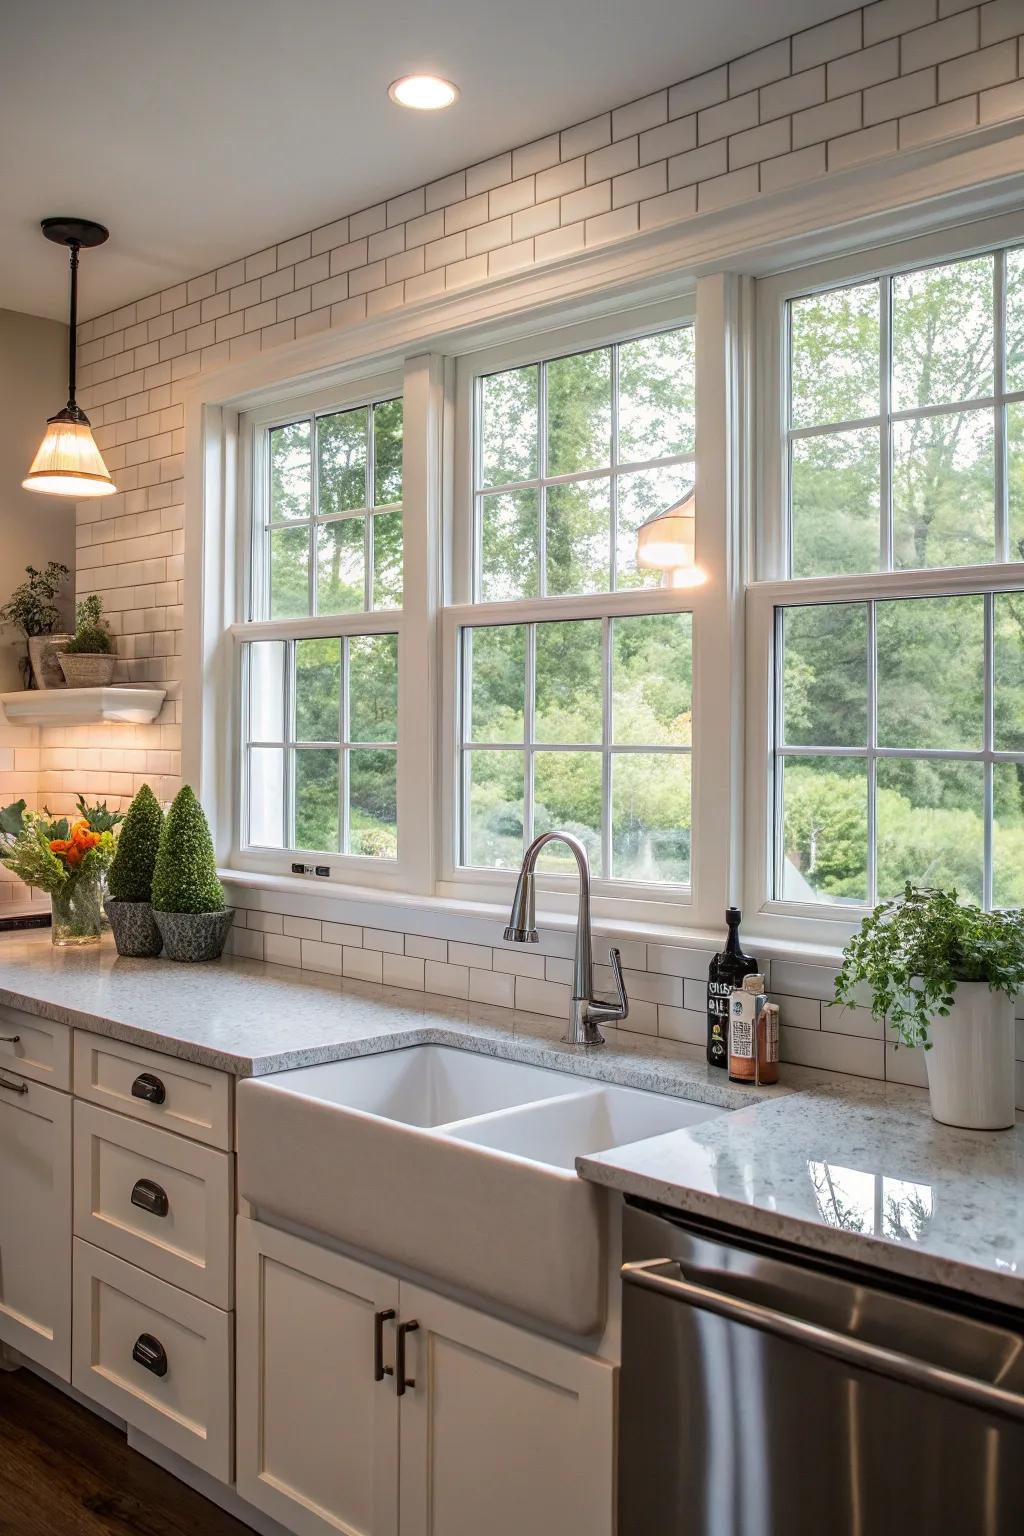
(135, 932)
(194, 935)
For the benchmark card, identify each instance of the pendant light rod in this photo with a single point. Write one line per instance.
(74, 233)
(75, 247)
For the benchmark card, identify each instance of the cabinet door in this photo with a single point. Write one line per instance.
(317, 1435)
(503, 1432)
(35, 1222)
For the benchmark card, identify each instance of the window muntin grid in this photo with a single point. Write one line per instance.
(328, 534)
(321, 753)
(930, 398)
(564, 498)
(949, 814)
(632, 790)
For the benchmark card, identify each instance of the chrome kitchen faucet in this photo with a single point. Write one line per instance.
(586, 1011)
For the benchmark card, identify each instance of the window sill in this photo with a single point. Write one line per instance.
(482, 922)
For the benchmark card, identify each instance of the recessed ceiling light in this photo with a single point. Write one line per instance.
(425, 93)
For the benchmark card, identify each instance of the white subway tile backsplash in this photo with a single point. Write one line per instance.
(363, 964)
(759, 68)
(280, 950)
(888, 18)
(637, 116)
(683, 1024)
(728, 117)
(699, 92)
(698, 165)
(830, 40)
(828, 121)
(725, 191)
(486, 986)
(869, 144)
(939, 122)
(520, 961)
(999, 19)
(321, 957)
(765, 143)
(613, 159)
(832, 1052)
(942, 40)
(587, 136)
(910, 93)
(790, 170)
(670, 139)
(426, 949)
(478, 955)
(542, 997)
(1004, 102)
(403, 971)
(448, 980)
(856, 71)
(380, 938)
(979, 71)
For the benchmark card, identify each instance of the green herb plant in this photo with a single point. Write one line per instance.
(92, 631)
(131, 874)
(32, 606)
(185, 876)
(914, 949)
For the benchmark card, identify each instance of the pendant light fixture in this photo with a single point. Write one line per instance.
(68, 462)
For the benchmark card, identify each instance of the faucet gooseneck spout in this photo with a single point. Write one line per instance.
(586, 1011)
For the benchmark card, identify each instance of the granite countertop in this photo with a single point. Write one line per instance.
(841, 1165)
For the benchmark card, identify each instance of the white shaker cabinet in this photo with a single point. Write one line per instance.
(504, 1432)
(497, 1430)
(317, 1434)
(35, 1221)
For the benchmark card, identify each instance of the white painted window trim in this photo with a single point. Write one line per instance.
(820, 923)
(921, 190)
(401, 873)
(615, 897)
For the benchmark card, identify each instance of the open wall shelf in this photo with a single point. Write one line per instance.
(82, 706)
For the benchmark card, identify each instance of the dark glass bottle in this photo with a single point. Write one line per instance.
(726, 971)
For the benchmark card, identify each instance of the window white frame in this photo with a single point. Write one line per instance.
(253, 428)
(822, 923)
(708, 604)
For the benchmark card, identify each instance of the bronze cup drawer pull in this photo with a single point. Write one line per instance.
(148, 1196)
(150, 1354)
(12, 1087)
(149, 1088)
(9, 1039)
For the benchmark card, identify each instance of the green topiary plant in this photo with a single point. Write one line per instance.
(185, 877)
(131, 874)
(92, 632)
(32, 606)
(913, 949)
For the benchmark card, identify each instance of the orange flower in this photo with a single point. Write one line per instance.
(59, 845)
(74, 855)
(78, 827)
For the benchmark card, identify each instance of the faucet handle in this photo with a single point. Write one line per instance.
(620, 985)
(611, 1013)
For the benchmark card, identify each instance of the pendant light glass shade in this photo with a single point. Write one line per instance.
(68, 462)
(667, 541)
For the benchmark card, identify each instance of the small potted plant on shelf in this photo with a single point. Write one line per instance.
(945, 975)
(188, 899)
(130, 882)
(67, 859)
(87, 660)
(32, 608)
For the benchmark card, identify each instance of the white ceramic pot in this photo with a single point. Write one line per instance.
(43, 650)
(970, 1065)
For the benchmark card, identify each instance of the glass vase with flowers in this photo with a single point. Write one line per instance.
(68, 859)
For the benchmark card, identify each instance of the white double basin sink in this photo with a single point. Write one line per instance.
(458, 1166)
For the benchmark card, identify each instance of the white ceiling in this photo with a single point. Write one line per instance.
(203, 130)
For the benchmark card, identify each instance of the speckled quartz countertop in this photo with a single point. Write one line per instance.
(841, 1165)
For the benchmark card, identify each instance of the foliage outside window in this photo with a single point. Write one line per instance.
(900, 749)
(571, 455)
(331, 538)
(321, 744)
(584, 725)
(905, 422)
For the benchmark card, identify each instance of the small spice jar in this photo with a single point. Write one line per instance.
(753, 1034)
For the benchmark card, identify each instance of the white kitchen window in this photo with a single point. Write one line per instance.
(887, 633)
(320, 650)
(574, 704)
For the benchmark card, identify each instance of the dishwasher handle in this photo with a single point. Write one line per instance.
(652, 1276)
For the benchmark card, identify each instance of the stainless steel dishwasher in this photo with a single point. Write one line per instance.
(764, 1393)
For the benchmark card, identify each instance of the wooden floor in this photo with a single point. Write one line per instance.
(65, 1472)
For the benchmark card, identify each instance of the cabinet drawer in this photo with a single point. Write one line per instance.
(179, 1392)
(155, 1199)
(35, 1047)
(35, 1222)
(179, 1095)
